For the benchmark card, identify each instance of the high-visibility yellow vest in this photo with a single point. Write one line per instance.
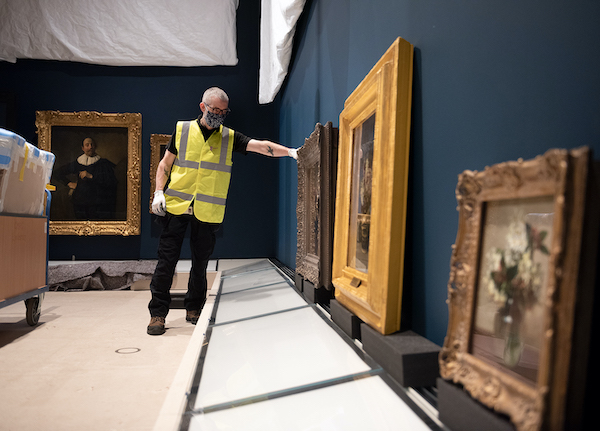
(201, 172)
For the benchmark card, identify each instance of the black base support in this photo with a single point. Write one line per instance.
(345, 319)
(459, 411)
(412, 360)
(298, 282)
(177, 300)
(309, 292)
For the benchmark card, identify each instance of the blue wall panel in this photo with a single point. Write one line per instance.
(494, 81)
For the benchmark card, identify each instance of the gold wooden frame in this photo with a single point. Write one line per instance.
(560, 177)
(46, 120)
(376, 296)
(157, 142)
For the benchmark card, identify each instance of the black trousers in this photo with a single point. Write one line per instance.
(202, 243)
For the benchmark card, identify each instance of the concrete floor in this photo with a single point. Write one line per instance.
(88, 364)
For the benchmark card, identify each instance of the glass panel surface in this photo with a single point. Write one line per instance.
(254, 302)
(365, 404)
(272, 353)
(250, 280)
(360, 197)
(233, 267)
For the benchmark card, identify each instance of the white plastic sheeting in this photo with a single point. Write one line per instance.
(277, 28)
(120, 32)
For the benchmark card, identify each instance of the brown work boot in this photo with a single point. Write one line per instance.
(192, 316)
(156, 326)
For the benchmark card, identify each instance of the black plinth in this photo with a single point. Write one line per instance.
(345, 319)
(459, 411)
(177, 300)
(412, 360)
(309, 291)
(298, 279)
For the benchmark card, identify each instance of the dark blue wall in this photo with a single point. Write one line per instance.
(164, 95)
(493, 81)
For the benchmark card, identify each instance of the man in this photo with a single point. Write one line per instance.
(196, 169)
(94, 190)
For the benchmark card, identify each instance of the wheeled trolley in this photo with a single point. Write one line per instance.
(24, 261)
(25, 173)
(33, 304)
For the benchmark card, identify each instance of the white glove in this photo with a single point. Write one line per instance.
(293, 153)
(159, 205)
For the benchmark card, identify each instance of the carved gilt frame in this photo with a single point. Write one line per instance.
(559, 178)
(385, 94)
(317, 166)
(158, 144)
(127, 126)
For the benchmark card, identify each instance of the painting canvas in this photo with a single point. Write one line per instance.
(361, 195)
(513, 279)
(107, 198)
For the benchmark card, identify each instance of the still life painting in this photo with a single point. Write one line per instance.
(512, 283)
(518, 294)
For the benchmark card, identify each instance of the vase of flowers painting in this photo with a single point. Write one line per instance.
(515, 282)
(513, 272)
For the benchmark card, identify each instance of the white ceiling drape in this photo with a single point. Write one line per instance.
(147, 33)
(277, 28)
(120, 32)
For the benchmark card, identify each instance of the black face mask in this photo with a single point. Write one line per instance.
(213, 120)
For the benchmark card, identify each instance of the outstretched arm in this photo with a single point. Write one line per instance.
(270, 149)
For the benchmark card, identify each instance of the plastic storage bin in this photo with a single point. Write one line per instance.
(24, 172)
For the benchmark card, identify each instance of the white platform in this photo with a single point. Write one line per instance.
(262, 358)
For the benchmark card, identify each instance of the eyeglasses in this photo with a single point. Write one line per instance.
(219, 111)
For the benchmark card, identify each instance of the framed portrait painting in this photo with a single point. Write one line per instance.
(515, 287)
(96, 172)
(371, 193)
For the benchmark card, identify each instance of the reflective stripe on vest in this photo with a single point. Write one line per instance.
(182, 160)
(210, 199)
(181, 195)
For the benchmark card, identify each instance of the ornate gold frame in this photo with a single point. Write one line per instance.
(560, 177)
(157, 143)
(376, 296)
(46, 120)
(317, 166)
